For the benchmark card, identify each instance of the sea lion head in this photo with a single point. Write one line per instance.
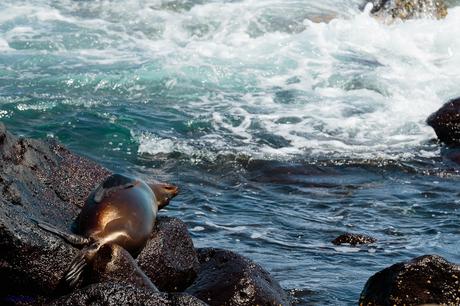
(164, 192)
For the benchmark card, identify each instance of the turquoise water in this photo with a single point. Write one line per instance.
(285, 123)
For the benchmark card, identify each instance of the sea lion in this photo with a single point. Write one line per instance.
(121, 210)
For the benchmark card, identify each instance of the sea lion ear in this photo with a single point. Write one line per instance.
(163, 193)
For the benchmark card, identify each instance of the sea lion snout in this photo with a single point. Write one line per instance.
(164, 192)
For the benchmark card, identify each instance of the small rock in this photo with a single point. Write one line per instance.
(446, 122)
(428, 279)
(169, 258)
(227, 278)
(353, 239)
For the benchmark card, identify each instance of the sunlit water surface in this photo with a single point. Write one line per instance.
(285, 123)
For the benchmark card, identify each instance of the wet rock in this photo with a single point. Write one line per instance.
(185, 299)
(226, 278)
(169, 258)
(113, 294)
(32, 174)
(428, 279)
(353, 239)
(446, 122)
(408, 9)
(112, 263)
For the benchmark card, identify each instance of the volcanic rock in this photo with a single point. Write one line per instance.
(169, 258)
(408, 9)
(227, 278)
(44, 181)
(112, 263)
(112, 294)
(428, 279)
(353, 239)
(446, 122)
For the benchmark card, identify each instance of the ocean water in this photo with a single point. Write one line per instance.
(285, 123)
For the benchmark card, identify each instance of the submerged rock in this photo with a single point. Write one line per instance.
(446, 122)
(353, 239)
(408, 9)
(169, 258)
(226, 278)
(428, 279)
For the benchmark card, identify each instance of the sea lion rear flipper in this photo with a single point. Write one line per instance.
(70, 238)
(76, 268)
(74, 273)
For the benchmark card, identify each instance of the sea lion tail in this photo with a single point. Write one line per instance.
(70, 238)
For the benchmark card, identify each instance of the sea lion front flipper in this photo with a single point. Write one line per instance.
(112, 184)
(70, 238)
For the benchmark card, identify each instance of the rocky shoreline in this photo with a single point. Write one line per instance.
(45, 181)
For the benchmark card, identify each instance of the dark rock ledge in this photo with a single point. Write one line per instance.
(45, 181)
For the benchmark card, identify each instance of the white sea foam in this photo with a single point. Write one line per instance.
(267, 79)
(4, 46)
(362, 88)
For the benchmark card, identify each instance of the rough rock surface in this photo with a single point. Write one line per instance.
(38, 180)
(446, 122)
(226, 278)
(428, 279)
(169, 258)
(112, 263)
(112, 294)
(408, 9)
(353, 239)
(122, 294)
